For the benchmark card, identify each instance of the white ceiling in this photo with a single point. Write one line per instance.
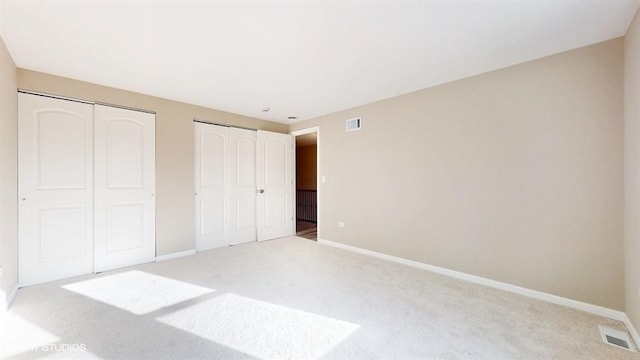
(297, 58)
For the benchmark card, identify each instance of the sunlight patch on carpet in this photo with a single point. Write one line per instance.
(261, 329)
(137, 292)
(19, 336)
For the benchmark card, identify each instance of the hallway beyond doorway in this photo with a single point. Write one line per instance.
(307, 230)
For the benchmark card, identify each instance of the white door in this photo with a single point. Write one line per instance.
(124, 187)
(211, 178)
(275, 184)
(55, 160)
(241, 189)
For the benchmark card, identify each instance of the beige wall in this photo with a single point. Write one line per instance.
(8, 173)
(515, 175)
(174, 148)
(632, 170)
(306, 178)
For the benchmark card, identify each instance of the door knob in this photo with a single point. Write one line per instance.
(261, 191)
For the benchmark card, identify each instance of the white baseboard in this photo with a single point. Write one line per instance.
(176, 255)
(632, 331)
(539, 295)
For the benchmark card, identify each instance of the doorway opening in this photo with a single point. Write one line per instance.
(307, 183)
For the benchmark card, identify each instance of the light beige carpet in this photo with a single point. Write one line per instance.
(290, 299)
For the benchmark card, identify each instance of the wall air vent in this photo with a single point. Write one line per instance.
(354, 124)
(616, 338)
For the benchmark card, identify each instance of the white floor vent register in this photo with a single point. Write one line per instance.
(616, 338)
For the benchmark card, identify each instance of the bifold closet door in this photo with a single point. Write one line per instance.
(241, 192)
(225, 183)
(124, 187)
(211, 178)
(55, 162)
(275, 184)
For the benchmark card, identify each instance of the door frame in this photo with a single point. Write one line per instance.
(296, 133)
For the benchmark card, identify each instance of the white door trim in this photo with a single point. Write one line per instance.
(296, 133)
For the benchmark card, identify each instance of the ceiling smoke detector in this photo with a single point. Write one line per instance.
(266, 109)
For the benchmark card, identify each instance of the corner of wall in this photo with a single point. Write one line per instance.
(632, 174)
(8, 178)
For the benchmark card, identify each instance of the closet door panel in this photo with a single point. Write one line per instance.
(241, 192)
(55, 160)
(211, 179)
(124, 187)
